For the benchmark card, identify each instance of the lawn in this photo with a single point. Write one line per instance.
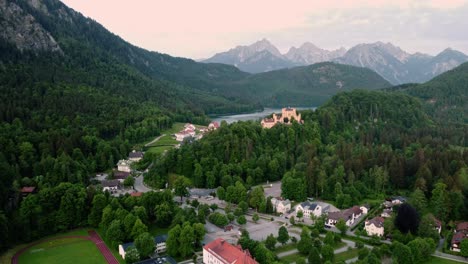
(292, 258)
(285, 248)
(155, 231)
(436, 260)
(63, 251)
(349, 254)
(158, 150)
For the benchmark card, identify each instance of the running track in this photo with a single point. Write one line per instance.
(93, 236)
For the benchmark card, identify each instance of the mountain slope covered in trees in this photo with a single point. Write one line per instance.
(445, 97)
(307, 85)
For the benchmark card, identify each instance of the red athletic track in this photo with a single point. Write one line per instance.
(93, 236)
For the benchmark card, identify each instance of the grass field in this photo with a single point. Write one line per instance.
(63, 251)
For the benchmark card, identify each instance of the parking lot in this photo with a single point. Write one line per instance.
(272, 189)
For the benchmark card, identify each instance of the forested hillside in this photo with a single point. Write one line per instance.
(361, 144)
(445, 97)
(308, 85)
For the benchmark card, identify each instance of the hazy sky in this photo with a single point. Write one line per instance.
(200, 28)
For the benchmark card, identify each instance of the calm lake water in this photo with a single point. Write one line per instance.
(257, 116)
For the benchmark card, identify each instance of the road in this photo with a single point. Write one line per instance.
(140, 186)
(348, 243)
(154, 140)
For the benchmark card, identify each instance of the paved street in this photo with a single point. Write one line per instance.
(140, 186)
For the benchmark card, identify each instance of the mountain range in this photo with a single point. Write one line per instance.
(391, 62)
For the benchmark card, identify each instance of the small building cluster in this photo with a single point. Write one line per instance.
(190, 131)
(461, 233)
(159, 244)
(349, 215)
(287, 116)
(221, 252)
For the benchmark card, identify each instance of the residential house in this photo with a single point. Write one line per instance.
(286, 117)
(27, 190)
(375, 226)
(213, 126)
(309, 209)
(397, 200)
(437, 225)
(334, 217)
(110, 185)
(364, 209)
(159, 244)
(461, 233)
(124, 165)
(386, 213)
(281, 206)
(135, 156)
(221, 252)
(184, 134)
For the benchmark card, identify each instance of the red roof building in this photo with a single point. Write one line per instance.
(27, 190)
(136, 194)
(221, 252)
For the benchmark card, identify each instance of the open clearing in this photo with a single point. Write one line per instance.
(63, 251)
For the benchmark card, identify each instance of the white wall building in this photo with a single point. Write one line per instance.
(309, 209)
(375, 226)
(281, 206)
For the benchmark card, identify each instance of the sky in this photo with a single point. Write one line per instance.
(200, 28)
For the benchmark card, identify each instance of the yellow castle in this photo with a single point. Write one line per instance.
(286, 117)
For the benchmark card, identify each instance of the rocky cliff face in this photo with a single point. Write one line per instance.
(22, 30)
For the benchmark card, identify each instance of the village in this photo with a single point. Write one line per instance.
(220, 244)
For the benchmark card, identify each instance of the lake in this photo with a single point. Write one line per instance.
(256, 116)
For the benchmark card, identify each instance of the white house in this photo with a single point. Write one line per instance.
(135, 156)
(281, 206)
(364, 209)
(124, 165)
(375, 226)
(309, 209)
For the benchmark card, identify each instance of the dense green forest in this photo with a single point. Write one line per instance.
(445, 96)
(358, 145)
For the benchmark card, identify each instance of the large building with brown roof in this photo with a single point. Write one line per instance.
(221, 252)
(375, 226)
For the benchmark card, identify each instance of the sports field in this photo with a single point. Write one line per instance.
(63, 251)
